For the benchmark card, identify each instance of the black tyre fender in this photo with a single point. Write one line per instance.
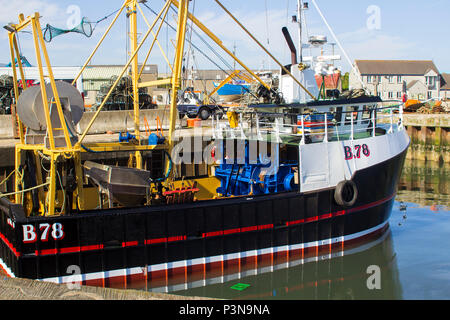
(346, 193)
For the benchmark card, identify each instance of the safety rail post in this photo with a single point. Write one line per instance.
(277, 128)
(351, 126)
(391, 115)
(303, 132)
(213, 127)
(400, 119)
(258, 131)
(241, 126)
(325, 139)
(374, 111)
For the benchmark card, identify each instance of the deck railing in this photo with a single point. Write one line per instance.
(357, 124)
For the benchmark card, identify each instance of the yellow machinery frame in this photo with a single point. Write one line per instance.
(53, 153)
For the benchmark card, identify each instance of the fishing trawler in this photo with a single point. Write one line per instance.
(308, 177)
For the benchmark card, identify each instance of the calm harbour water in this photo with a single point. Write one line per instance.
(413, 256)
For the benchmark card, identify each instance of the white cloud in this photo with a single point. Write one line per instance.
(370, 44)
(48, 11)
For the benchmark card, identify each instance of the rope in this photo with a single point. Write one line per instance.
(6, 179)
(24, 190)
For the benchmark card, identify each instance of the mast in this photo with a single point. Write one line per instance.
(135, 76)
(299, 21)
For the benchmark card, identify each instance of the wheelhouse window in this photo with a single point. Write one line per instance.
(367, 111)
(338, 115)
(366, 114)
(349, 113)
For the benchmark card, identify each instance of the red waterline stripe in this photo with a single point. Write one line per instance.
(92, 247)
(212, 234)
(265, 226)
(44, 252)
(162, 240)
(130, 243)
(251, 228)
(176, 238)
(237, 230)
(155, 241)
(231, 231)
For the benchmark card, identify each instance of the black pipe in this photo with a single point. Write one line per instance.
(291, 45)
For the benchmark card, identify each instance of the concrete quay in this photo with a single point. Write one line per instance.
(26, 289)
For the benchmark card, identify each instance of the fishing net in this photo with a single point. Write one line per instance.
(84, 27)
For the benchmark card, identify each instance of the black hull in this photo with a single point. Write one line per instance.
(145, 243)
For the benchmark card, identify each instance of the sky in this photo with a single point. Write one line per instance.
(366, 29)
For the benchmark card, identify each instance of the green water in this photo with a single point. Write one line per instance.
(412, 258)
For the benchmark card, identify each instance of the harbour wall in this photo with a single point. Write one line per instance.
(430, 138)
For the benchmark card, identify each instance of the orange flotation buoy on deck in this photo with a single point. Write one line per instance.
(191, 123)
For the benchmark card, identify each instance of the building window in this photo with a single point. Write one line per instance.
(429, 94)
(429, 80)
(399, 95)
(390, 79)
(390, 94)
(369, 79)
(399, 79)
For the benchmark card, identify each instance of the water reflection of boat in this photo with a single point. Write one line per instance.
(340, 273)
(424, 183)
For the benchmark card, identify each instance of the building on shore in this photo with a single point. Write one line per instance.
(389, 78)
(94, 76)
(445, 88)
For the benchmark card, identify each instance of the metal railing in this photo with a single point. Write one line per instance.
(352, 125)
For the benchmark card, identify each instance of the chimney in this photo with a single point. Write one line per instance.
(291, 45)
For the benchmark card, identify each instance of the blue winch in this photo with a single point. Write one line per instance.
(155, 138)
(243, 178)
(127, 137)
